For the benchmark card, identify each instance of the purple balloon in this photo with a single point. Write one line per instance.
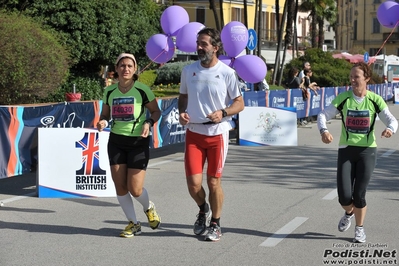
(186, 38)
(388, 14)
(173, 19)
(250, 68)
(160, 48)
(226, 60)
(234, 37)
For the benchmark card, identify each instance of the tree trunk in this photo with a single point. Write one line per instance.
(277, 58)
(295, 42)
(246, 21)
(221, 14)
(287, 39)
(215, 14)
(258, 20)
(313, 31)
(321, 32)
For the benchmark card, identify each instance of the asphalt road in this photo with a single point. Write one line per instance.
(280, 208)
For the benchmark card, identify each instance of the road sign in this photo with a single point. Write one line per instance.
(252, 39)
(366, 57)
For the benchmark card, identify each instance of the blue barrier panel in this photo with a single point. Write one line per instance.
(297, 101)
(254, 98)
(169, 130)
(276, 98)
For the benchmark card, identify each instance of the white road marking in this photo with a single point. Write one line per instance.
(387, 153)
(19, 197)
(284, 231)
(332, 195)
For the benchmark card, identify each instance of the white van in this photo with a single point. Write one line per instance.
(385, 63)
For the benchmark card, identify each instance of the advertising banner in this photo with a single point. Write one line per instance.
(261, 126)
(169, 130)
(73, 163)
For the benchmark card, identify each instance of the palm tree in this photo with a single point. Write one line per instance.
(310, 6)
(317, 9)
(329, 14)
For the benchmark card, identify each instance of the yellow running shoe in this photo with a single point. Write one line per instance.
(131, 230)
(153, 218)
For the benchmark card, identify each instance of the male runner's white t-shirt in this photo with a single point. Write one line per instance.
(209, 90)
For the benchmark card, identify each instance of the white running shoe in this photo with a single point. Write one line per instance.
(345, 222)
(360, 235)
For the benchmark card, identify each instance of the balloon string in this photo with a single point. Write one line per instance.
(387, 38)
(152, 61)
(232, 62)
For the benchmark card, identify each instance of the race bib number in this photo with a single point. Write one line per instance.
(358, 121)
(123, 109)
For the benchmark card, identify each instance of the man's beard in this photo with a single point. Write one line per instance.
(205, 57)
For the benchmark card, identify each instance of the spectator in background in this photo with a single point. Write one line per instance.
(307, 83)
(293, 81)
(263, 86)
(110, 78)
(306, 65)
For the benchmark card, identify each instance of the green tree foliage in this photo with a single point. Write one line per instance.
(91, 88)
(98, 31)
(95, 33)
(32, 60)
(327, 70)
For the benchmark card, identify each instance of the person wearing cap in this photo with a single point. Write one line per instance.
(306, 65)
(209, 96)
(125, 104)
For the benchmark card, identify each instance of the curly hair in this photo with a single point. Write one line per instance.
(368, 73)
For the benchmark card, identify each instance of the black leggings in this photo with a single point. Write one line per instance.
(355, 167)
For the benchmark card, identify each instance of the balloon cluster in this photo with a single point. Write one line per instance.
(160, 48)
(388, 14)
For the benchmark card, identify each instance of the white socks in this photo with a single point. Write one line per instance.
(126, 203)
(144, 200)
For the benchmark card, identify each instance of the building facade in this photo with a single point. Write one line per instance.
(358, 27)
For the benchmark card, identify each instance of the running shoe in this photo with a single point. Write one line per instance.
(214, 232)
(131, 230)
(360, 235)
(153, 218)
(345, 222)
(200, 223)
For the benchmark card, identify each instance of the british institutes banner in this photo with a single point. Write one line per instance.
(73, 163)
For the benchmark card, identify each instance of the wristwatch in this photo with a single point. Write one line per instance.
(224, 113)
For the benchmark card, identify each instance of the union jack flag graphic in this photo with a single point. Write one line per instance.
(90, 155)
